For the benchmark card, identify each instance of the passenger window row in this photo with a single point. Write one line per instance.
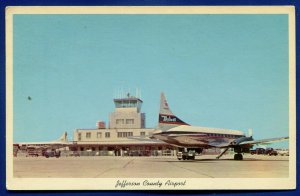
(222, 135)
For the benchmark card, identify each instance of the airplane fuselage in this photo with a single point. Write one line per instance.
(198, 137)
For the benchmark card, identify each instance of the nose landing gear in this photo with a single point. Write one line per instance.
(186, 154)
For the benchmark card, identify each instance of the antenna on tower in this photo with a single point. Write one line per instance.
(136, 90)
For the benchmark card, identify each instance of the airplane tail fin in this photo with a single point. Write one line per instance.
(250, 132)
(167, 119)
(63, 138)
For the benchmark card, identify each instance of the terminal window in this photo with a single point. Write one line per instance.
(88, 135)
(143, 133)
(79, 136)
(125, 134)
(99, 134)
(129, 121)
(107, 134)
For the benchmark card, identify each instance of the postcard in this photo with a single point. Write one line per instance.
(150, 98)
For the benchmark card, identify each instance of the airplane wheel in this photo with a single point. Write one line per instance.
(238, 157)
(241, 157)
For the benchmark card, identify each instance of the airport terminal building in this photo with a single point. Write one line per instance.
(126, 135)
(126, 124)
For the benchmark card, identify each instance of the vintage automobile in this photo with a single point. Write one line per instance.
(35, 151)
(271, 151)
(258, 151)
(52, 153)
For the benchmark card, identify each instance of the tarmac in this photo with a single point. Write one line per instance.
(204, 166)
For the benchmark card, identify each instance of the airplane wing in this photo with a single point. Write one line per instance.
(250, 143)
(145, 139)
(187, 134)
(263, 141)
(45, 143)
(60, 141)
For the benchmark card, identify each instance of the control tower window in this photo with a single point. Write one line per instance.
(129, 121)
(128, 102)
(119, 121)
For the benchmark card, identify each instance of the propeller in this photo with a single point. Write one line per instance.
(242, 139)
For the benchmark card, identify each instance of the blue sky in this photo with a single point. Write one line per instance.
(224, 71)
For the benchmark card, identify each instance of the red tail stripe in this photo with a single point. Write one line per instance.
(176, 123)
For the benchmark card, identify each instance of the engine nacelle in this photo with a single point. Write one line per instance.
(239, 149)
(241, 139)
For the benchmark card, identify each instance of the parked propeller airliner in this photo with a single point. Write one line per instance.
(55, 144)
(178, 133)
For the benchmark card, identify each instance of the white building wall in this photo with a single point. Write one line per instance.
(98, 135)
(128, 118)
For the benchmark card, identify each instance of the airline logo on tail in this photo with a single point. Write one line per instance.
(165, 114)
(170, 119)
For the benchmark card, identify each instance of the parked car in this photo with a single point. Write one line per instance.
(52, 153)
(274, 152)
(271, 151)
(258, 151)
(34, 151)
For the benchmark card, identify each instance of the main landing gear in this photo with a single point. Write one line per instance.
(238, 156)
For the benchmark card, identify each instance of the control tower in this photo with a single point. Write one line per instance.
(127, 113)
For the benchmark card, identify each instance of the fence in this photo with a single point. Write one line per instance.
(120, 153)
